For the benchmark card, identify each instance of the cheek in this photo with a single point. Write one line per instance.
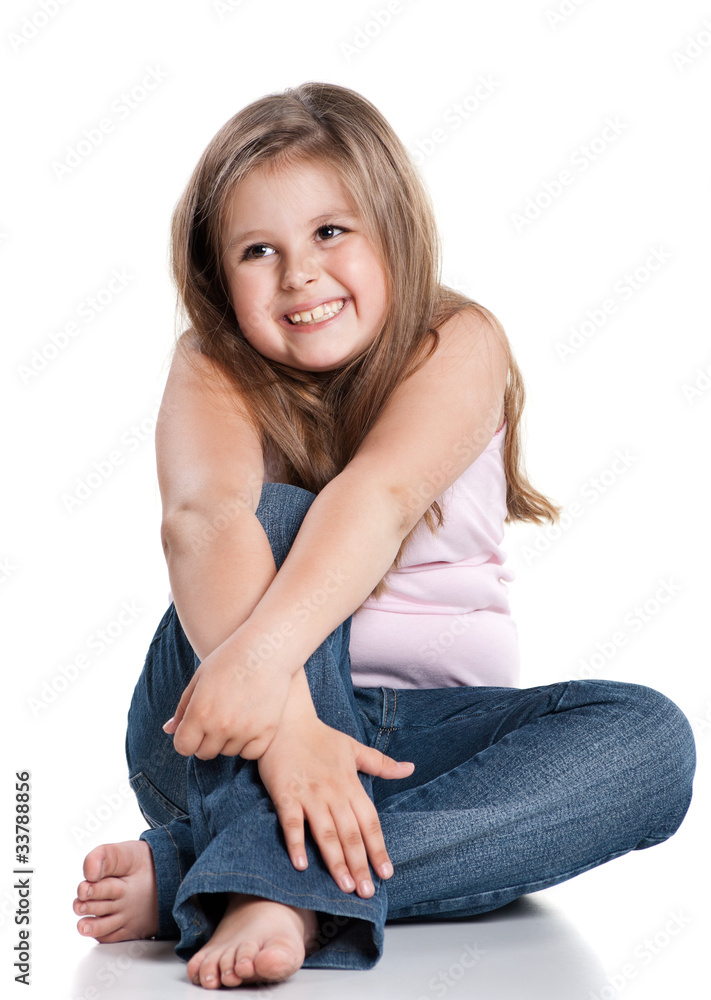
(246, 301)
(367, 277)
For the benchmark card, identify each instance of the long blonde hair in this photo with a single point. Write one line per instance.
(312, 423)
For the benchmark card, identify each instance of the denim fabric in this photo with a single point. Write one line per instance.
(513, 791)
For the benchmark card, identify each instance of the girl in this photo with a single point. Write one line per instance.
(338, 451)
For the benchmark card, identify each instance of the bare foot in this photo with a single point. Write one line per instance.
(256, 941)
(119, 899)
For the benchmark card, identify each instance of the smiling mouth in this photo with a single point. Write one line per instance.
(317, 315)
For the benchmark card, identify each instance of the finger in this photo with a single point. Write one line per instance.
(371, 831)
(351, 839)
(372, 761)
(291, 818)
(172, 724)
(210, 747)
(324, 832)
(255, 748)
(188, 737)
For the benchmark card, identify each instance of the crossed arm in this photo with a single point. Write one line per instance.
(231, 601)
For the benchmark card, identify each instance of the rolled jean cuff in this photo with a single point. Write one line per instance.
(171, 860)
(350, 928)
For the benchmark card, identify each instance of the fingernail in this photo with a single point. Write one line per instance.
(406, 763)
(347, 883)
(367, 888)
(386, 870)
(166, 724)
(300, 862)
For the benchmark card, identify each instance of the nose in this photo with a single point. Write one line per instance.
(299, 270)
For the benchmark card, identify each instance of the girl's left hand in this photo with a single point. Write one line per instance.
(311, 773)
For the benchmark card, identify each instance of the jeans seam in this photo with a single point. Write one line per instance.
(140, 782)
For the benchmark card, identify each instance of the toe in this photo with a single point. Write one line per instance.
(105, 888)
(95, 907)
(193, 968)
(276, 962)
(118, 860)
(244, 959)
(203, 969)
(100, 927)
(95, 863)
(210, 973)
(228, 976)
(85, 890)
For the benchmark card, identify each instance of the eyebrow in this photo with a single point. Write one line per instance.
(342, 213)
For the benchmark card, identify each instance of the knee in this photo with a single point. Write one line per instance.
(658, 745)
(281, 511)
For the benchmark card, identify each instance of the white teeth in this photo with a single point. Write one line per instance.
(324, 311)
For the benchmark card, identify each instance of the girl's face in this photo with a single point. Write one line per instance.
(306, 285)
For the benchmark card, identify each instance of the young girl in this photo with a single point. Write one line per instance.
(339, 433)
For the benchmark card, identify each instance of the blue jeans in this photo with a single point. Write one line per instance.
(513, 790)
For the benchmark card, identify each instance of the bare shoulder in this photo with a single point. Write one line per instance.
(207, 447)
(473, 336)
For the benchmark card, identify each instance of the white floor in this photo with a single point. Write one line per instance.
(636, 927)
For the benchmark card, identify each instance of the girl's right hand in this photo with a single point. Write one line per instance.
(310, 771)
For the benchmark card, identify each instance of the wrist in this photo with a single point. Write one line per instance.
(299, 704)
(262, 648)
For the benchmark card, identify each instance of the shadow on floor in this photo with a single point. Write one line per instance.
(527, 949)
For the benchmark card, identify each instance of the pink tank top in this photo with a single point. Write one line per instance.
(445, 620)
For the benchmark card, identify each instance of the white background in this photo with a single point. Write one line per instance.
(636, 385)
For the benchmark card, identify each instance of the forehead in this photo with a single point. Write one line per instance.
(286, 192)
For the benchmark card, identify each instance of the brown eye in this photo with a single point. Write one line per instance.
(248, 255)
(331, 231)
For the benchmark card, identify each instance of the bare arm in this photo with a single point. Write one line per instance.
(210, 472)
(437, 423)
